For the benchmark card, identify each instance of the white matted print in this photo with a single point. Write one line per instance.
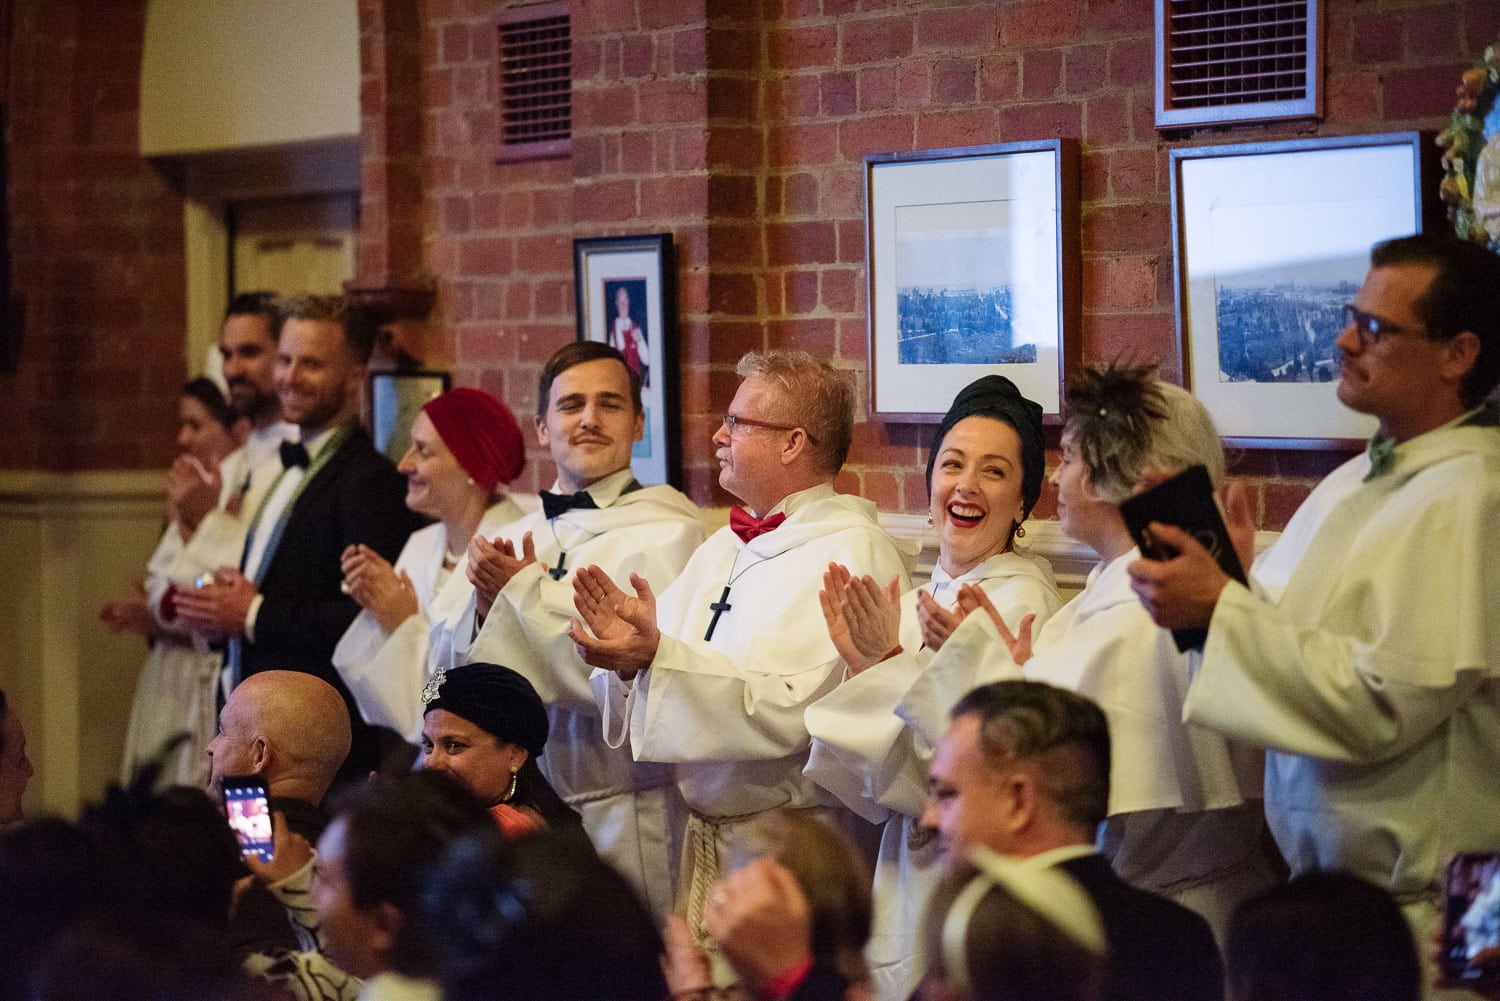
(626, 297)
(1272, 240)
(967, 252)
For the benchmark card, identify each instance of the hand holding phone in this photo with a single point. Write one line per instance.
(248, 807)
(1471, 921)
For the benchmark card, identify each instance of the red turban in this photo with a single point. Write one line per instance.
(482, 434)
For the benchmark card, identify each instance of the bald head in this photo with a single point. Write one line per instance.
(289, 727)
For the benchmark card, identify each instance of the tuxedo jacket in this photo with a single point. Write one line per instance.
(357, 497)
(1159, 950)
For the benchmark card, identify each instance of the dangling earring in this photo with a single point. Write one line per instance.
(510, 793)
(1019, 531)
(929, 521)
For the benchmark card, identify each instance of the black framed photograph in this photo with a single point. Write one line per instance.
(627, 298)
(395, 400)
(973, 265)
(1270, 241)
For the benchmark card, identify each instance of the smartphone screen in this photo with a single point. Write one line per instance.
(1471, 915)
(249, 812)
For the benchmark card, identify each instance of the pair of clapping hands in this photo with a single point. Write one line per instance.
(621, 633)
(389, 595)
(864, 618)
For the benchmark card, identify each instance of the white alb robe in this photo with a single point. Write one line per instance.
(864, 754)
(386, 672)
(728, 711)
(1368, 662)
(176, 691)
(631, 810)
(1184, 812)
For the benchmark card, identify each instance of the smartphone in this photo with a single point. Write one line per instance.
(1186, 501)
(1471, 917)
(249, 811)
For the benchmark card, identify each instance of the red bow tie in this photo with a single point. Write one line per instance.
(747, 526)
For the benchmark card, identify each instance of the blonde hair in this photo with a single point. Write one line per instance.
(1123, 421)
(811, 395)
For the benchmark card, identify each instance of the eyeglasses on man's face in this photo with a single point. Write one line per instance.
(1371, 328)
(732, 421)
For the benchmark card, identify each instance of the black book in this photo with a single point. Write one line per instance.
(1187, 502)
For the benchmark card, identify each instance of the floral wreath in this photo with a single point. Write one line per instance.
(1471, 154)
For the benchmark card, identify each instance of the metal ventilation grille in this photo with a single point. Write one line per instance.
(1236, 60)
(535, 55)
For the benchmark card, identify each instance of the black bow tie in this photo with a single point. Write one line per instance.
(556, 504)
(294, 453)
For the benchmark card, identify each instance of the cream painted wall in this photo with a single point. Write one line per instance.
(234, 74)
(82, 537)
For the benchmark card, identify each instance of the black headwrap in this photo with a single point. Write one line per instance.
(495, 699)
(996, 396)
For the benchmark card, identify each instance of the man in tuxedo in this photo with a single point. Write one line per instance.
(283, 608)
(1023, 770)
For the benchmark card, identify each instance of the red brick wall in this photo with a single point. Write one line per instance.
(740, 128)
(97, 248)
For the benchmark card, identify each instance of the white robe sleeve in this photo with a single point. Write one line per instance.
(385, 672)
(974, 655)
(527, 628)
(698, 703)
(862, 752)
(1322, 694)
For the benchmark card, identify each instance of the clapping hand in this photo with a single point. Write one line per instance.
(387, 595)
(492, 564)
(936, 622)
(217, 610)
(129, 615)
(972, 598)
(863, 618)
(624, 632)
(192, 492)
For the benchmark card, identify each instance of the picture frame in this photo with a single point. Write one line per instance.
(395, 400)
(973, 268)
(643, 325)
(1270, 241)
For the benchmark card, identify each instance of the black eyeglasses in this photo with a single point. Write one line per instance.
(732, 422)
(1370, 328)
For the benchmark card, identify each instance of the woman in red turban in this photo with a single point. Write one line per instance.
(466, 447)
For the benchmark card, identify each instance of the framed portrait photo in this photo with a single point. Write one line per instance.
(627, 298)
(973, 265)
(1271, 240)
(395, 400)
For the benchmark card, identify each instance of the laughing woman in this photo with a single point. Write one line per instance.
(1185, 817)
(465, 448)
(983, 477)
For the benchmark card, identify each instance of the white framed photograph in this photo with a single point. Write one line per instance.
(1271, 240)
(973, 265)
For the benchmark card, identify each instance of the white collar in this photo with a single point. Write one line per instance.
(793, 502)
(604, 491)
